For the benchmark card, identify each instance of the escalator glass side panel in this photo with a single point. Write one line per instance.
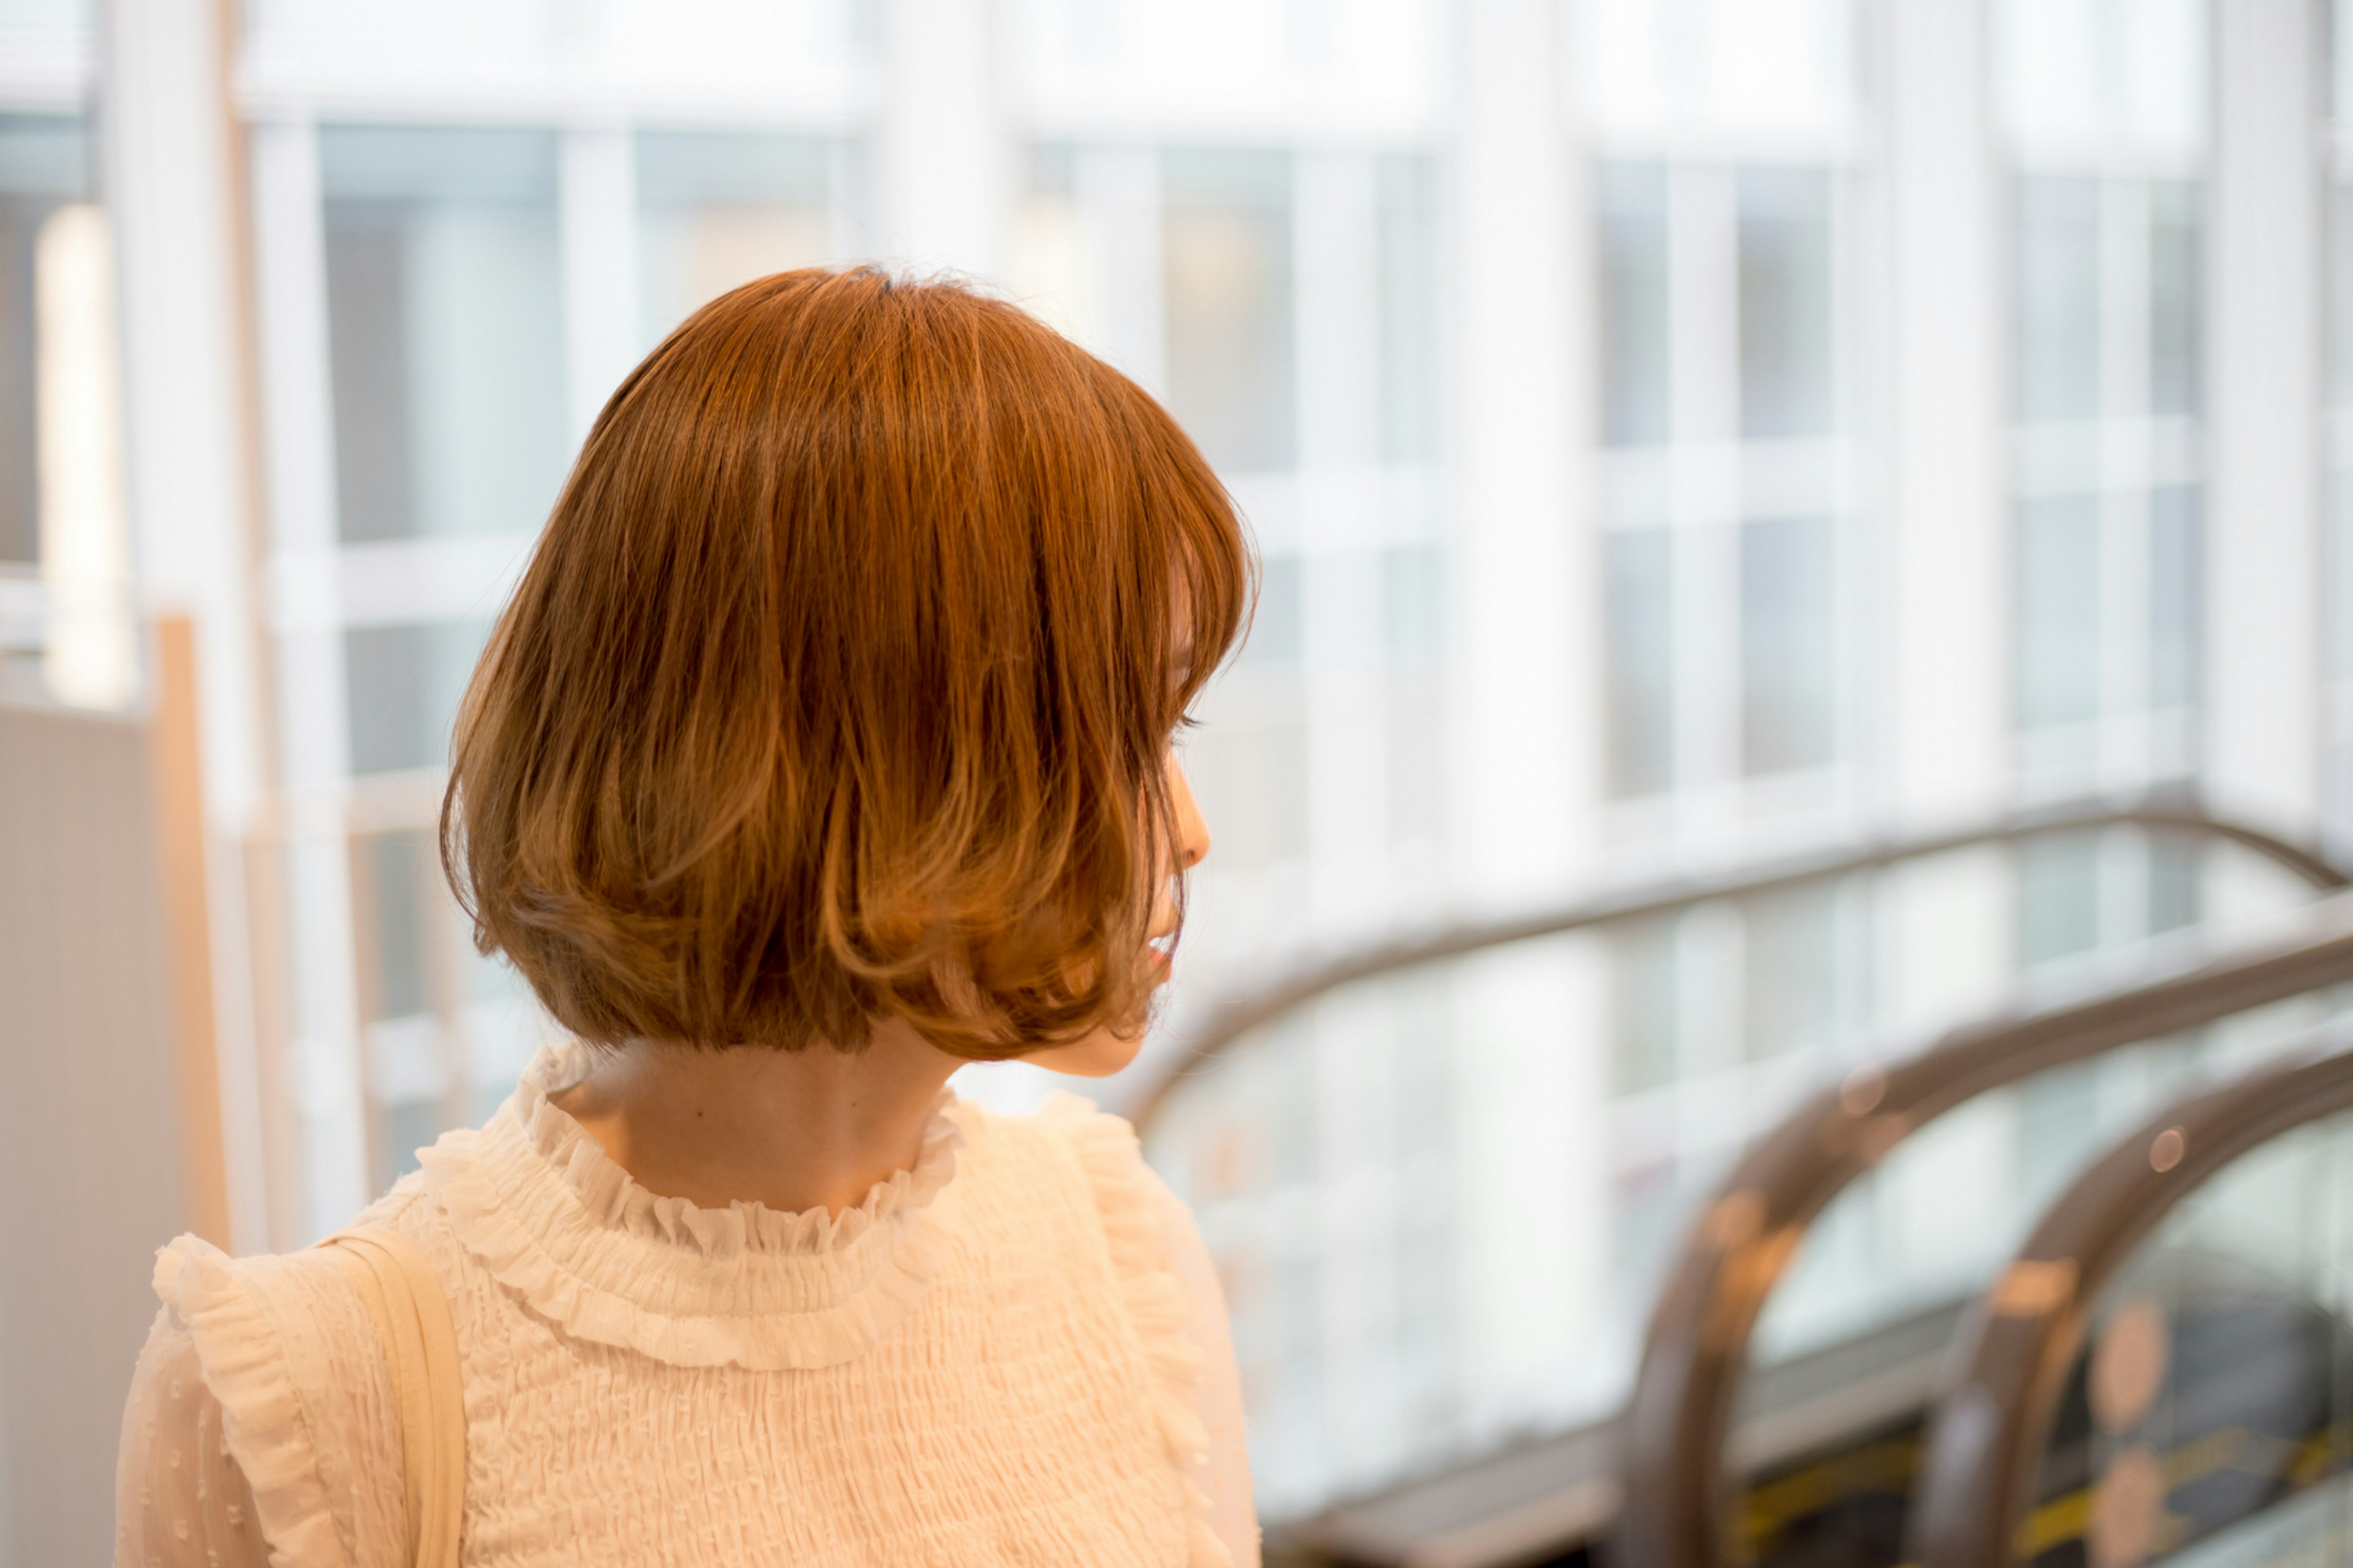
(1845, 1509)
(1938, 1220)
(2211, 1400)
(1935, 1222)
(2311, 1529)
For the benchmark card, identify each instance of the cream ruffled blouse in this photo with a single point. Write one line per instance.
(1014, 1353)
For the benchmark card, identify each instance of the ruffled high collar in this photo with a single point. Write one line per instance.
(538, 1200)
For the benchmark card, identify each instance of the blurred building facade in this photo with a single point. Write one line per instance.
(1679, 431)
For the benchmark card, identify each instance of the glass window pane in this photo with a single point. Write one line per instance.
(44, 166)
(1788, 644)
(392, 872)
(1636, 409)
(1226, 238)
(1791, 971)
(1785, 303)
(718, 210)
(445, 330)
(402, 685)
(2058, 896)
(1277, 622)
(2058, 297)
(1407, 198)
(2229, 1323)
(1640, 616)
(1643, 1016)
(2175, 896)
(2176, 320)
(1248, 763)
(402, 1128)
(1413, 591)
(2175, 573)
(2058, 598)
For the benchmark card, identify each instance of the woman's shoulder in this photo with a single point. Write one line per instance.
(1096, 1148)
(1165, 1285)
(284, 1346)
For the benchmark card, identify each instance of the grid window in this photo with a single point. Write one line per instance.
(2107, 230)
(1726, 479)
(2177, 575)
(43, 178)
(2057, 295)
(1413, 593)
(1645, 1020)
(2175, 297)
(2108, 517)
(2083, 893)
(1788, 632)
(718, 210)
(2058, 609)
(1226, 244)
(1640, 625)
(402, 685)
(2175, 886)
(1790, 951)
(1407, 284)
(2059, 898)
(1635, 359)
(1786, 337)
(445, 330)
(404, 985)
(396, 892)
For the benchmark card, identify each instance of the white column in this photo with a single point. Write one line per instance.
(1524, 699)
(171, 190)
(600, 266)
(1523, 718)
(2264, 337)
(945, 156)
(1940, 611)
(290, 257)
(1941, 709)
(1338, 311)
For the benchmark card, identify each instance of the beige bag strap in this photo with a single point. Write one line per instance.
(420, 1348)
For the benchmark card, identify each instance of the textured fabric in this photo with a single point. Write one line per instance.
(1012, 1353)
(403, 1294)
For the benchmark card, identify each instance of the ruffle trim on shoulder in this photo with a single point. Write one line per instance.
(554, 1219)
(1107, 1151)
(244, 1364)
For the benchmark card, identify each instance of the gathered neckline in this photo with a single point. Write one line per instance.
(560, 1222)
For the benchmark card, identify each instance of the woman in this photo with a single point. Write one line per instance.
(825, 747)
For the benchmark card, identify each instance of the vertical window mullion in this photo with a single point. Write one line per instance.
(1704, 263)
(2127, 451)
(291, 264)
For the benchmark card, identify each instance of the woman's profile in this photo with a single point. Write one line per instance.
(824, 747)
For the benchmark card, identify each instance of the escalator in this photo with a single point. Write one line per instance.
(1832, 1450)
(1830, 1441)
(2166, 1367)
(1720, 1455)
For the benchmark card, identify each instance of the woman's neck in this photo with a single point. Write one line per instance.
(815, 1128)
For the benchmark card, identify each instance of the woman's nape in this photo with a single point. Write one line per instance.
(817, 1128)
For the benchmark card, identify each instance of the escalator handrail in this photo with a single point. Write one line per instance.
(1231, 1020)
(1675, 1486)
(2016, 1344)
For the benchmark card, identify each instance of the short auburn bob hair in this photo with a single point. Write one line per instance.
(842, 682)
